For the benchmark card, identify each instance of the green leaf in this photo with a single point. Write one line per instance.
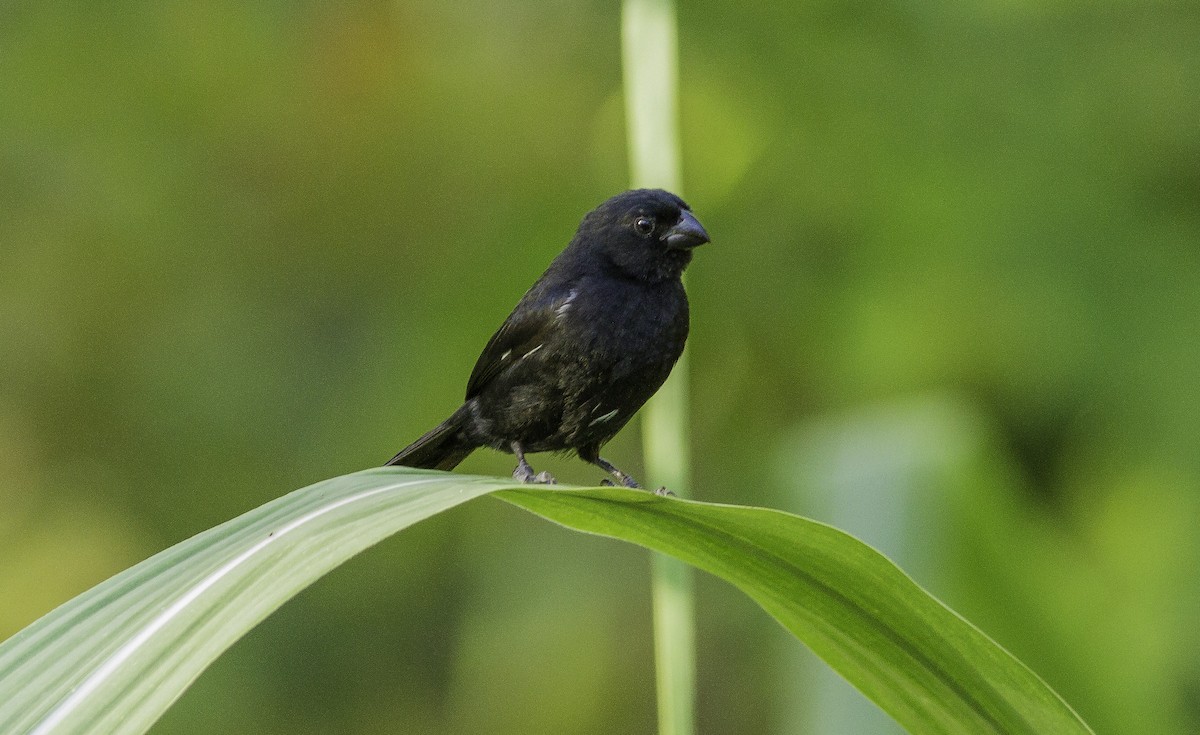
(114, 658)
(913, 656)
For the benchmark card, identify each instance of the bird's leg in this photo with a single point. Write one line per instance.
(604, 464)
(524, 472)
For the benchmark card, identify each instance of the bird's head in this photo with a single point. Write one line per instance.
(645, 233)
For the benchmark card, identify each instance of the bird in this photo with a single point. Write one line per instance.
(586, 346)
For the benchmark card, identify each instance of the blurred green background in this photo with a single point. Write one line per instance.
(952, 303)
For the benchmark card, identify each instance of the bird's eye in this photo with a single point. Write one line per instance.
(644, 225)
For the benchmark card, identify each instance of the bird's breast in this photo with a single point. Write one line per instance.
(632, 323)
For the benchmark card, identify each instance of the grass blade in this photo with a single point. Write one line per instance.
(113, 659)
(931, 670)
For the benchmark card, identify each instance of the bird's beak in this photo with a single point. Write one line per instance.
(686, 234)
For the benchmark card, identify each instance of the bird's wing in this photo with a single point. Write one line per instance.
(532, 322)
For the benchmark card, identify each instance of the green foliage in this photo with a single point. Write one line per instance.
(114, 658)
(914, 657)
(249, 245)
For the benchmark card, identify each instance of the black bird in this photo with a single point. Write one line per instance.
(585, 347)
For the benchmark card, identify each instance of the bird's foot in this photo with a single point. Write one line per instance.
(626, 481)
(664, 492)
(524, 473)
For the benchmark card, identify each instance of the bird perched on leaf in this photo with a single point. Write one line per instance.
(585, 347)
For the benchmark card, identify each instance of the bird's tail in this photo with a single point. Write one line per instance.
(442, 448)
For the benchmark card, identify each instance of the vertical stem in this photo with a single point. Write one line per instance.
(649, 56)
(674, 645)
(650, 61)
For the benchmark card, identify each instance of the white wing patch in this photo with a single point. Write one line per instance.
(605, 417)
(535, 349)
(565, 306)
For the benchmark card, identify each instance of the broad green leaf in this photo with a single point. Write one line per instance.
(114, 658)
(913, 656)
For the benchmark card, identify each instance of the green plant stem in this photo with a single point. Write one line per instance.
(649, 57)
(650, 63)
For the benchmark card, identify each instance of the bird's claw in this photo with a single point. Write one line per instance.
(525, 475)
(664, 492)
(626, 481)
